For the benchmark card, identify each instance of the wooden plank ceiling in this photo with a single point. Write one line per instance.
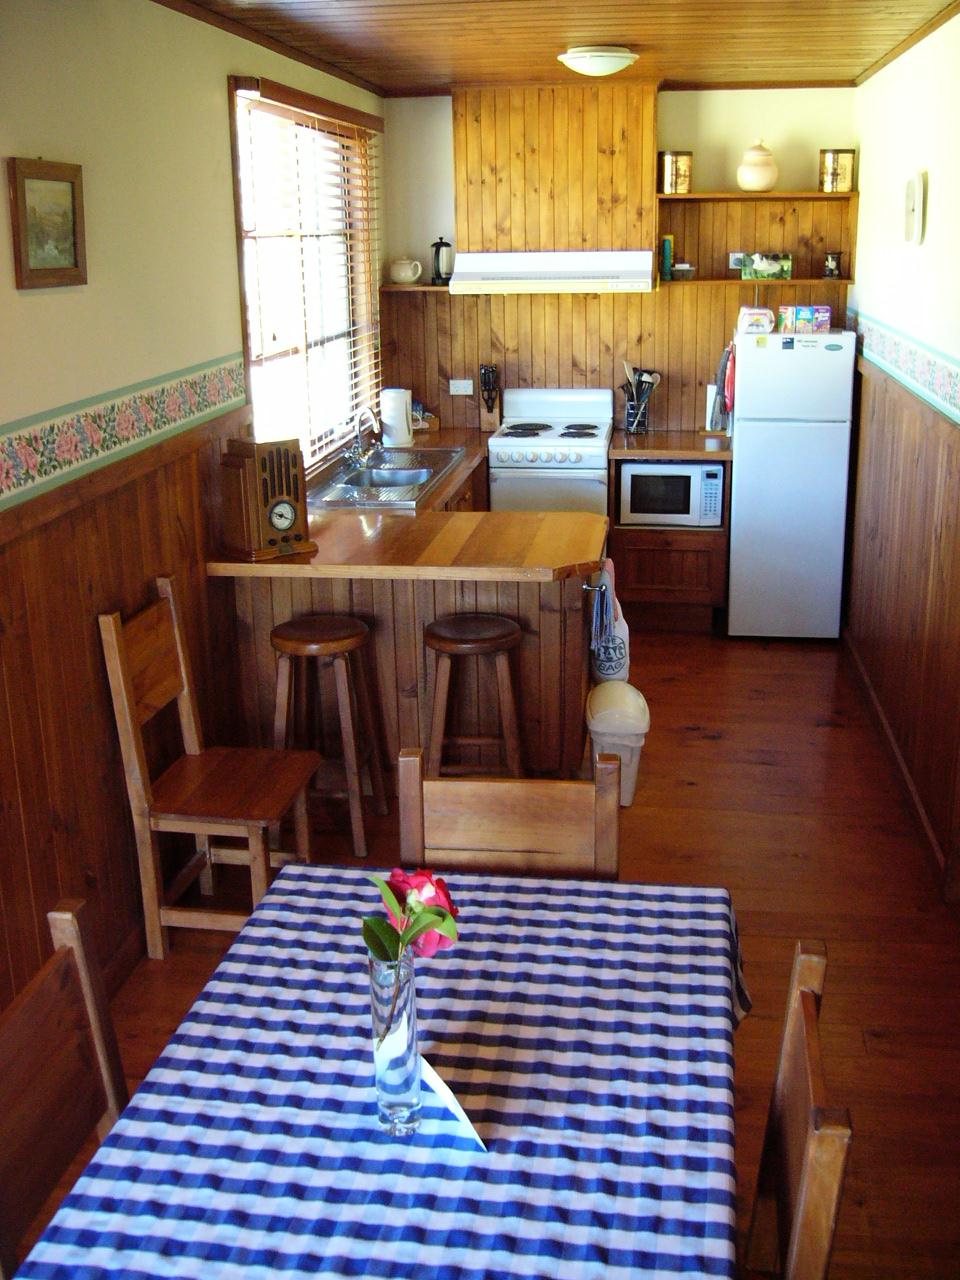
(415, 47)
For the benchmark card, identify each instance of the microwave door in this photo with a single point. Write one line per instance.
(654, 496)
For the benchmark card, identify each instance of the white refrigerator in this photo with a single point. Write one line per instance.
(791, 447)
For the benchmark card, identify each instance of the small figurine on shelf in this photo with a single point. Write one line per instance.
(831, 265)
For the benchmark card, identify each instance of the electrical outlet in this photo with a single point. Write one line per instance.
(461, 386)
(735, 261)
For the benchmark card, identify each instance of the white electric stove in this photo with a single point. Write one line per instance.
(550, 452)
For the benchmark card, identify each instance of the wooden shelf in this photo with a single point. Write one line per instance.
(758, 195)
(414, 288)
(798, 280)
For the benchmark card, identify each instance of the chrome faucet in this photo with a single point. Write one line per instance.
(357, 453)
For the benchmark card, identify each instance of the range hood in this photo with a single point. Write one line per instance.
(578, 271)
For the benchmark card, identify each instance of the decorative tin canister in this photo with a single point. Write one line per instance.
(836, 169)
(674, 172)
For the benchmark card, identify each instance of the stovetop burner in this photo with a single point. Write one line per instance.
(526, 429)
(579, 431)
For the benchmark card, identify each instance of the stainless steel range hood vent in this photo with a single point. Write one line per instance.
(578, 271)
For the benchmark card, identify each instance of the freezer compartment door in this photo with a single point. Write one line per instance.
(787, 521)
(804, 377)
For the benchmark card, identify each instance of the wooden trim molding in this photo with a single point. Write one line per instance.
(297, 100)
(190, 10)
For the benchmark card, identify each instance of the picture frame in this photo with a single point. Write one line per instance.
(46, 214)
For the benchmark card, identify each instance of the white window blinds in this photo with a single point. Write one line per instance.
(307, 217)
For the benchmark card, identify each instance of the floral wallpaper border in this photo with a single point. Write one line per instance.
(933, 375)
(49, 449)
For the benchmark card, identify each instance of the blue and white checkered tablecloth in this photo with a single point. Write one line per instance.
(587, 1029)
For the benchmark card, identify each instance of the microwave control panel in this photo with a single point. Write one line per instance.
(711, 496)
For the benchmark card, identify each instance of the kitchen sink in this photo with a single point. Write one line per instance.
(386, 478)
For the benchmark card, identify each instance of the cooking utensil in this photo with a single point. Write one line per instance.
(629, 391)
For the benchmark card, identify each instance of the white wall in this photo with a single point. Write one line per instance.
(718, 125)
(137, 95)
(907, 120)
(418, 178)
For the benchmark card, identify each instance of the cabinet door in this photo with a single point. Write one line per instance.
(667, 566)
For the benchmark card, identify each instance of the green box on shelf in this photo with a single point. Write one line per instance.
(766, 266)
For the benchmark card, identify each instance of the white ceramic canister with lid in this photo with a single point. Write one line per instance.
(757, 171)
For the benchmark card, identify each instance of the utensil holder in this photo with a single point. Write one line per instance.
(635, 418)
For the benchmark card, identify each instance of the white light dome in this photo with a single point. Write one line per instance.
(597, 59)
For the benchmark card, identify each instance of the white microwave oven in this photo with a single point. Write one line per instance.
(671, 493)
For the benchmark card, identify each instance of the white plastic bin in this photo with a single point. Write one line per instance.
(618, 720)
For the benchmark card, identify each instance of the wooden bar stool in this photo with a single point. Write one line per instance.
(332, 639)
(459, 636)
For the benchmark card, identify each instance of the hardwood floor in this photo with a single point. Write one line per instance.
(764, 771)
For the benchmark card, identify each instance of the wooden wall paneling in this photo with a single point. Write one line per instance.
(488, 701)
(24, 793)
(904, 613)
(531, 168)
(429, 387)
(461, 177)
(546, 159)
(425, 612)
(518, 208)
(561, 170)
(500, 162)
(443, 402)
(486, 144)
(384, 661)
(575, 169)
(408, 723)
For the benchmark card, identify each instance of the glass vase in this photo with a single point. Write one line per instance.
(396, 1061)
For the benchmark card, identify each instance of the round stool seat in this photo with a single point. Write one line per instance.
(466, 633)
(319, 635)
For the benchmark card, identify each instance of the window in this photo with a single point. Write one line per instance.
(306, 184)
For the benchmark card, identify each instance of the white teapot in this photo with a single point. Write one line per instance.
(405, 271)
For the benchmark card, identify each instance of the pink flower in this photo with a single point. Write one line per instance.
(126, 425)
(68, 445)
(93, 433)
(28, 457)
(416, 889)
(171, 404)
(6, 474)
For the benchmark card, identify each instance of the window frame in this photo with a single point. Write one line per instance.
(363, 268)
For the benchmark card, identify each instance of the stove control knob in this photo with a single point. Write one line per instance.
(531, 456)
(576, 457)
(562, 455)
(516, 457)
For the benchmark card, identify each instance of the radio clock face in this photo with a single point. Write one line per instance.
(282, 516)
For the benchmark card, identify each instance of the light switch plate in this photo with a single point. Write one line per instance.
(461, 386)
(735, 261)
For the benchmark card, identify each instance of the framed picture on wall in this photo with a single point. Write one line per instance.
(46, 208)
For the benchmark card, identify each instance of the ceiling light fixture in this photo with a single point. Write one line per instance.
(597, 59)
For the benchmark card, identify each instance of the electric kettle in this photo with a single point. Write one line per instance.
(396, 416)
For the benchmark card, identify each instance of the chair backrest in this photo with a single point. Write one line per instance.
(148, 668)
(805, 1145)
(60, 1075)
(510, 824)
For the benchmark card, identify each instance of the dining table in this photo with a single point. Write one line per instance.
(586, 1029)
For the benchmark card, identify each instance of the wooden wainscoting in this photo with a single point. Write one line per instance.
(92, 546)
(904, 613)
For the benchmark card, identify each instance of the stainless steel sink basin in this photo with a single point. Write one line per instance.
(387, 478)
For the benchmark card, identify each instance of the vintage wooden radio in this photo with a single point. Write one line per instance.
(264, 500)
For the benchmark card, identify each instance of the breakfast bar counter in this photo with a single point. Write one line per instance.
(400, 572)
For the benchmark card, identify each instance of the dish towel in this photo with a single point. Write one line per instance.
(610, 636)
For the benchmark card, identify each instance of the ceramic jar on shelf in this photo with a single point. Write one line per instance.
(757, 171)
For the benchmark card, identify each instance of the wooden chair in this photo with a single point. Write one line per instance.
(60, 1075)
(217, 791)
(805, 1145)
(511, 824)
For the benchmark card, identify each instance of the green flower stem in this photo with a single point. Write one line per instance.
(393, 1003)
